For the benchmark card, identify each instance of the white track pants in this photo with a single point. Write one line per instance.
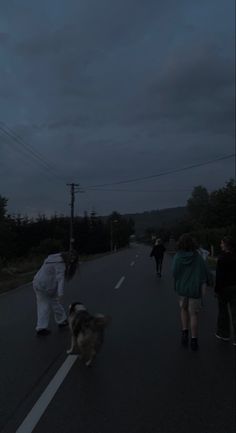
(45, 304)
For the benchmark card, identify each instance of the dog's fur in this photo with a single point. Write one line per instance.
(87, 332)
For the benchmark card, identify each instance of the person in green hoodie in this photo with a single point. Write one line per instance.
(191, 276)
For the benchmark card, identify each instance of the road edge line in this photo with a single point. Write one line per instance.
(33, 417)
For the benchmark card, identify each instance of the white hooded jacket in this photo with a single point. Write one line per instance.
(50, 278)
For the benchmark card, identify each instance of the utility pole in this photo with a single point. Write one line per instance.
(72, 192)
(112, 234)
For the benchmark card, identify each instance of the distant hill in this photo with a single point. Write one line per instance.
(157, 218)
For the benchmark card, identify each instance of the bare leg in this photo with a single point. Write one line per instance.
(194, 325)
(185, 323)
(184, 318)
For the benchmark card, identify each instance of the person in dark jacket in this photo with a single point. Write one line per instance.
(158, 252)
(225, 289)
(191, 275)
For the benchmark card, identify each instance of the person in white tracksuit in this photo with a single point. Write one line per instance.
(48, 285)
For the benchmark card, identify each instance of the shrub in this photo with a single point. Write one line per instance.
(48, 246)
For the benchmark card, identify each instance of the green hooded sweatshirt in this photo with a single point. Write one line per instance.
(190, 272)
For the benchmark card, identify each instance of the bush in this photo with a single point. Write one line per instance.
(207, 237)
(48, 246)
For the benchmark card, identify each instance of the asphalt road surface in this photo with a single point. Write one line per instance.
(143, 381)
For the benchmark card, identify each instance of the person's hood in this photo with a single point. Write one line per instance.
(186, 257)
(54, 258)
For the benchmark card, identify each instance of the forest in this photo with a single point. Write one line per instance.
(208, 217)
(22, 237)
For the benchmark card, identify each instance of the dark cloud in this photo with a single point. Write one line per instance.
(113, 90)
(194, 92)
(4, 38)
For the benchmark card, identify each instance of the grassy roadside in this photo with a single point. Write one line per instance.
(14, 282)
(18, 273)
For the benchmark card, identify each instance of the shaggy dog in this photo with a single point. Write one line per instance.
(87, 332)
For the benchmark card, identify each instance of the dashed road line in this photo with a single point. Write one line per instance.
(132, 263)
(44, 400)
(120, 282)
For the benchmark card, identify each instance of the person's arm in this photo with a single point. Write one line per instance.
(220, 271)
(208, 275)
(175, 266)
(175, 269)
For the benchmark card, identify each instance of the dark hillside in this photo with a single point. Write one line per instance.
(157, 218)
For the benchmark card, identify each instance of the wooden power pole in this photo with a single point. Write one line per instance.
(72, 203)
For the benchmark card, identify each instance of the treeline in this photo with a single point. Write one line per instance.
(22, 236)
(210, 216)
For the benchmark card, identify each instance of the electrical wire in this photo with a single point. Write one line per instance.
(138, 190)
(27, 150)
(164, 173)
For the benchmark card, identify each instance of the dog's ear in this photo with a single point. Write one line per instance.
(101, 320)
(72, 306)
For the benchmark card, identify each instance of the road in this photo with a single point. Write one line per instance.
(143, 381)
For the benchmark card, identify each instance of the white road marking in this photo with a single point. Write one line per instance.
(41, 405)
(120, 282)
(136, 255)
(132, 263)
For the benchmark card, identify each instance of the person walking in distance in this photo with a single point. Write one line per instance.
(48, 285)
(191, 274)
(225, 289)
(158, 252)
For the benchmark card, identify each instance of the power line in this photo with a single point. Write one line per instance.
(24, 143)
(164, 173)
(26, 157)
(29, 151)
(139, 190)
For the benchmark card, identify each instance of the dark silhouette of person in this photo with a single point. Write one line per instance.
(225, 289)
(158, 252)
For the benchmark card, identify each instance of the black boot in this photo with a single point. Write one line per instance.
(184, 338)
(194, 344)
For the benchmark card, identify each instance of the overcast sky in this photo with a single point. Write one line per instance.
(111, 90)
